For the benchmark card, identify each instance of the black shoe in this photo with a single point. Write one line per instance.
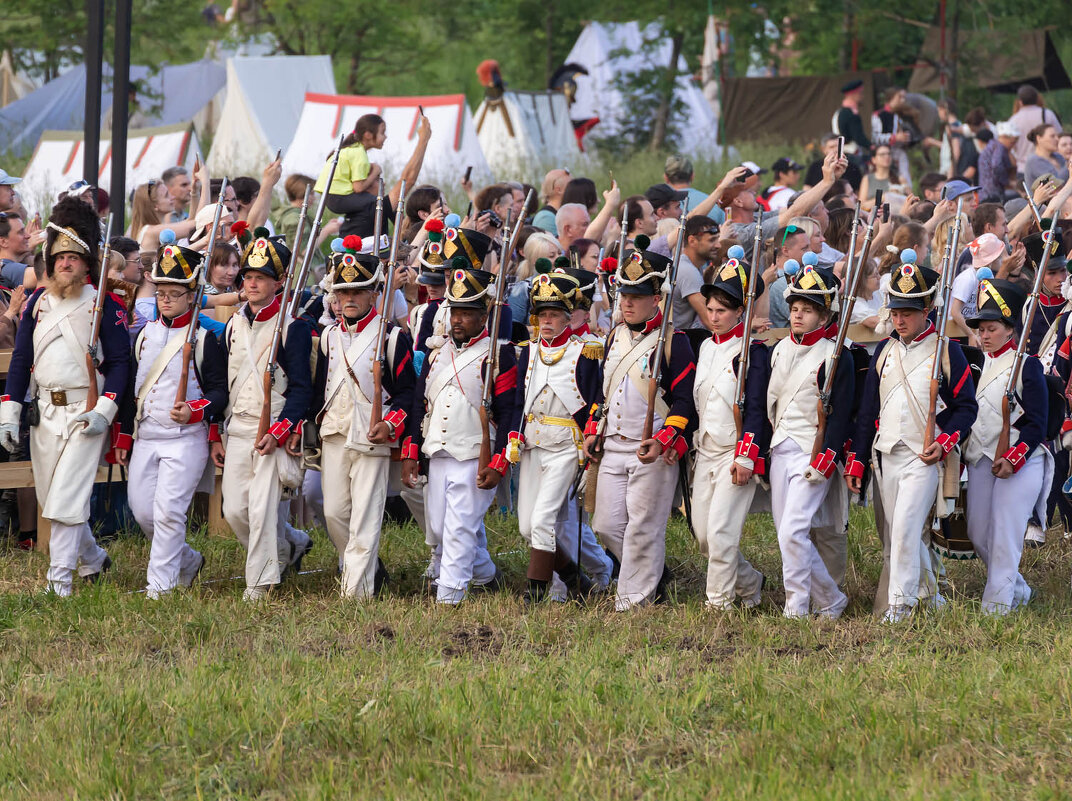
(497, 583)
(578, 585)
(535, 592)
(379, 581)
(294, 567)
(94, 578)
(662, 589)
(616, 566)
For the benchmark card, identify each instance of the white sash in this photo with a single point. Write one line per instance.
(461, 362)
(629, 365)
(341, 377)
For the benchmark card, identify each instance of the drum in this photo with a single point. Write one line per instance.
(950, 539)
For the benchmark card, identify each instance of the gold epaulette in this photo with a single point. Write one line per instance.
(592, 350)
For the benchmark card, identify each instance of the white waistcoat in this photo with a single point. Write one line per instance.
(627, 402)
(715, 394)
(61, 338)
(248, 345)
(160, 396)
(552, 391)
(985, 431)
(348, 406)
(904, 402)
(454, 390)
(793, 392)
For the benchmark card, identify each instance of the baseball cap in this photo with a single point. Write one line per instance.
(8, 180)
(785, 165)
(955, 189)
(755, 168)
(661, 194)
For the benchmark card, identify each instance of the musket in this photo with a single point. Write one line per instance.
(945, 283)
(195, 309)
(95, 322)
(493, 334)
(288, 306)
(1031, 202)
(385, 304)
(746, 343)
(307, 254)
(668, 307)
(622, 238)
(851, 286)
(1021, 346)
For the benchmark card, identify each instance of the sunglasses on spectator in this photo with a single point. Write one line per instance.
(791, 229)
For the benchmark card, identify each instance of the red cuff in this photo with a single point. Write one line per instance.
(747, 447)
(666, 437)
(759, 467)
(197, 410)
(281, 430)
(591, 428)
(499, 464)
(948, 441)
(1066, 426)
(1016, 456)
(853, 467)
(681, 447)
(4, 398)
(824, 463)
(409, 449)
(214, 433)
(396, 419)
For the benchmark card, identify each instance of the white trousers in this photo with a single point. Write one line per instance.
(544, 486)
(355, 489)
(64, 463)
(251, 499)
(455, 510)
(719, 509)
(998, 510)
(164, 473)
(908, 488)
(633, 503)
(794, 502)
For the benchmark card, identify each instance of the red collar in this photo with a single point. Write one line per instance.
(811, 337)
(584, 329)
(267, 313)
(831, 330)
(1004, 348)
(472, 341)
(181, 321)
(654, 322)
(1051, 300)
(558, 341)
(360, 325)
(733, 333)
(926, 332)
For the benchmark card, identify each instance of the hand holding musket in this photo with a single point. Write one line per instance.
(1021, 346)
(93, 393)
(622, 239)
(376, 416)
(945, 290)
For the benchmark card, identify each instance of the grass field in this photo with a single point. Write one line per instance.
(108, 695)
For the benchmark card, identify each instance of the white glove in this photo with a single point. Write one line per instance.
(96, 423)
(9, 436)
(813, 476)
(1066, 440)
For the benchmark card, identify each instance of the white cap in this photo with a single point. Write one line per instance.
(1006, 128)
(8, 180)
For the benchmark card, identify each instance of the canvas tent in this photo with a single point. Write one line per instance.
(999, 60)
(57, 160)
(260, 115)
(171, 95)
(523, 134)
(607, 50)
(13, 85)
(452, 149)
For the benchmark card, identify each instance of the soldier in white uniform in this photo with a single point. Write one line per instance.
(724, 479)
(799, 480)
(451, 388)
(256, 471)
(558, 380)
(892, 420)
(67, 440)
(170, 439)
(1002, 487)
(637, 476)
(357, 453)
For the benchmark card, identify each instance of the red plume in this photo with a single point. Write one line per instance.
(485, 71)
(239, 228)
(434, 225)
(352, 242)
(609, 264)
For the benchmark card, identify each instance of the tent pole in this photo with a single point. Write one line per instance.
(120, 111)
(93, 65)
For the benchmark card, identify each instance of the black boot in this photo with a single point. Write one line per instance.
(535, 592)
(541, 569)
(662, 589)
(381, 577)
(578, 585)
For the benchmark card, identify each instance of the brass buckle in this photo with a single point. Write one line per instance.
(58, 397)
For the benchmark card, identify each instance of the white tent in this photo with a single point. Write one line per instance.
(607, 50)
(453, 147)
(523, 134)
(264, 100)
(57, 160)
(13, 85)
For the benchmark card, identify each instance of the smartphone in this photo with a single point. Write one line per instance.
(885, 212)
(841, 147)
(469, 210)
(878, 199)
(468, 172)
(278, 153)
(420, 108)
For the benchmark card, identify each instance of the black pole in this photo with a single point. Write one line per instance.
(94, 59)
(120, 112)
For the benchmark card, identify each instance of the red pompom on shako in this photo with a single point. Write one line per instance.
(239, 228)
(434, 225)
(352, 242)
(609, 264)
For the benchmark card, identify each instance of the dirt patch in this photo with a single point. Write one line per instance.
(380, 632)
(474, 641)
